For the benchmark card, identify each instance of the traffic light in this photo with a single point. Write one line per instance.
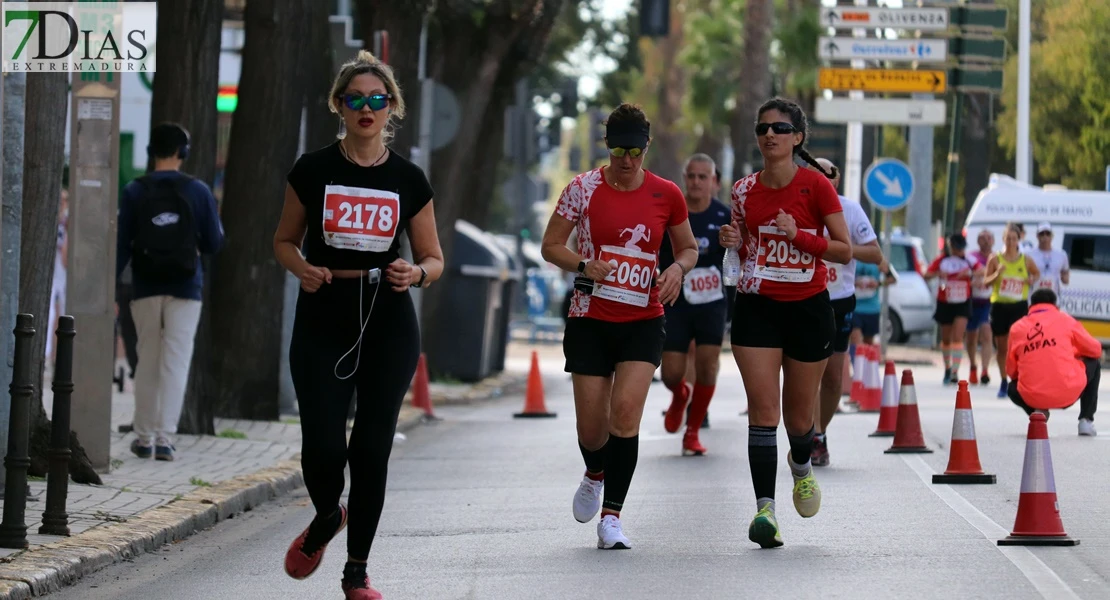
(655, 18)
(598, 150)
(568, 98)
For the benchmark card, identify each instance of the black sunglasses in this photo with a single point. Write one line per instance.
(779, 128)
(376, 102)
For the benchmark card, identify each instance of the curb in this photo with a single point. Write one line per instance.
(51, 567)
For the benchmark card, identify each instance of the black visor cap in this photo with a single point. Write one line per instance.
(627, 135)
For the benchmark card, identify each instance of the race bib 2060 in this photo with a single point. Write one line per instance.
(630, 280)
(359, 218)
(779, 260)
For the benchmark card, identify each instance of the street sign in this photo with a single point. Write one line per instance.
(967, 79)
(846, 48)
(992, 49)
(987, 17)
(1108, 178)
(447, 115)
(848, 17)
(888, 80)
(888, 183)
(878, 111)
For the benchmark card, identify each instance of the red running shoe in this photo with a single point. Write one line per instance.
(300, 562)
(691, 445)
(673, 419)
(360, 591)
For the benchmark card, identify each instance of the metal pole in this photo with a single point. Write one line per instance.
(523, 203)
(1024, 159)
(884, 289)
(853, 162)
(953, 164)
(919, 212)
(55, 521)
(13, 530)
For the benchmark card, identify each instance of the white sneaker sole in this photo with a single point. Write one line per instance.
(617, 545)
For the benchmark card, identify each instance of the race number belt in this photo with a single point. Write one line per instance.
(359, 218)
(703, 285)
(630, 280)
(779, 260)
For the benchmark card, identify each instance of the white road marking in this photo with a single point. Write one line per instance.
(1043, 578)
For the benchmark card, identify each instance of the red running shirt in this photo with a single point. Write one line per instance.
(625, 229)
(954, 273)
(772, 266)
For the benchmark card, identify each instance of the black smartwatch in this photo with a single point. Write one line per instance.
(423, 276)
(582, 266)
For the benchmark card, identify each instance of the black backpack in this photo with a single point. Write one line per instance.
(164, 249)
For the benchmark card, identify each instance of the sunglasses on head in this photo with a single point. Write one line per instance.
(376, 102)
(779, 128)
(620, 152)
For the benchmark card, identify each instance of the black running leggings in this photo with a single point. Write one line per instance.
(326, 326)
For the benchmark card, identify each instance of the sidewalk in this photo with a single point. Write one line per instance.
(144, 503)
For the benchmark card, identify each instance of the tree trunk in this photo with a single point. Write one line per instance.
(711, 144)
(665, 158)
(403, 21)
(317, 71)
(247, 280)
(184, 88)
(756, 78)
(15, 87)
(43, 160)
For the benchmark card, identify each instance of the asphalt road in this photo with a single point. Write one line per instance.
(479, 508)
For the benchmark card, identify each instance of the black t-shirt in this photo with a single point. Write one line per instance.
(362, 207)
(706, 226)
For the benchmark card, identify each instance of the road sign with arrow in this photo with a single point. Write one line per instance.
(883, 81)
(846, 48)
(888, 184)
(850, 17)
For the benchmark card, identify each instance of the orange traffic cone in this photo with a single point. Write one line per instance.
(963, 457)
(1038, 515)
(533, 399)
(859, 368)
(888, 411)
(421, 395)
(908, 437)
(872, 396)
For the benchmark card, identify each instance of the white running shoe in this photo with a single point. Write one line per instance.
(1087, 427)
(587, 500)
(610, 536)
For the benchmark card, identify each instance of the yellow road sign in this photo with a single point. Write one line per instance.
(885, 80)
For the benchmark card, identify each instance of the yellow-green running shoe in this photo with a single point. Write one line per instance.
(764, 529)
(807, 494)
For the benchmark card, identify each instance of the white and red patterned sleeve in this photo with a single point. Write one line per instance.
(570, 202)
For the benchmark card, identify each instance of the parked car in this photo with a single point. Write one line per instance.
(911, 299)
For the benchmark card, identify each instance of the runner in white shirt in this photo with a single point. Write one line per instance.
(842, 294)
(1052, 262)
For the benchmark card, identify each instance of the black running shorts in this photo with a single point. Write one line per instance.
(946, 313)
(843, 310)
(804, 329)
(1005, 314)
(594, 347)
(704, 324)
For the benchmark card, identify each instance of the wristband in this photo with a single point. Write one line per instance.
(812, 244)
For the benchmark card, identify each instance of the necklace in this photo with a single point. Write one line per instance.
(613, 181)
(343, 151)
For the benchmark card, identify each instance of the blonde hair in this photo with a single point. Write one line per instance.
(362, 64)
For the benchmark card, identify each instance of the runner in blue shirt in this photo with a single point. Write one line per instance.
(699, 313)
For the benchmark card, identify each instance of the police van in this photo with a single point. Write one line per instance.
(1080, 222)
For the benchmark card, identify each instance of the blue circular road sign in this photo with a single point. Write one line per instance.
(888, 183)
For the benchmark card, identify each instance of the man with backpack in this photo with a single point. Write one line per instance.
(166, 220)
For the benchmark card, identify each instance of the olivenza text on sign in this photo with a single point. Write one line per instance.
(52, 37)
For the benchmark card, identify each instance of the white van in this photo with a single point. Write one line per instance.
(1080, 222)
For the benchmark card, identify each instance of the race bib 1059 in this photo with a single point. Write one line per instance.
(703, 285)
(359, 218)
(779, 260)
(630, 280)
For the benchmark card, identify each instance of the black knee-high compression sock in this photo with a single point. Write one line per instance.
(763, 459)
(595, 462)
(800, 448)
(620, 463)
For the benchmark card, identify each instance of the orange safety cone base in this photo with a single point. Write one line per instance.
(542, 415)
(1037, 540)
(881, 434)
(908, 450)
(964, 478)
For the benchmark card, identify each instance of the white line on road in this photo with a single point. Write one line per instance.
(1047, 582)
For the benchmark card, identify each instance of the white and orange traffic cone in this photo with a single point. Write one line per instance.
(963, 457)
(888, 410)
(908, 437)
(1038, 520)
(872, 397)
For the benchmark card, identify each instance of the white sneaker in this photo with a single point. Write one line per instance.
(610, 536)
(1087, 427)
(587, 500)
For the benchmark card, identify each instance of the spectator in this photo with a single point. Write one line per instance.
(58, 286)
(166, 220)
(1057, 361)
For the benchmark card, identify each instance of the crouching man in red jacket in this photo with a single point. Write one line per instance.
(1052, 361)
